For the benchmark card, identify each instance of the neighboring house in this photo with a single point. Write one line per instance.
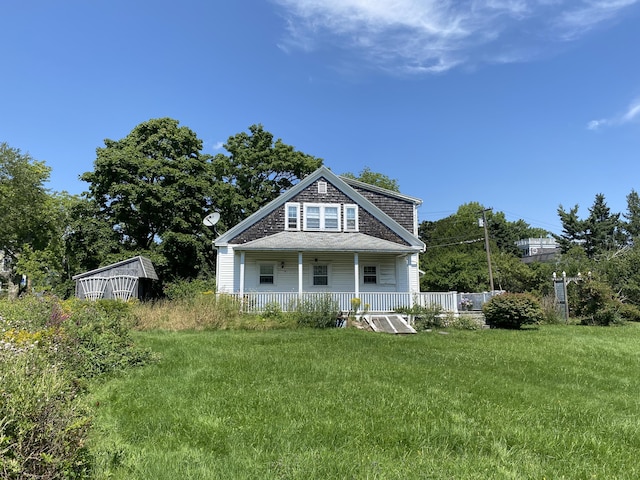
(542, 249)
(327, 234)
(123, 280)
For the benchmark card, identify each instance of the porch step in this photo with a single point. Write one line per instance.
(391, 323)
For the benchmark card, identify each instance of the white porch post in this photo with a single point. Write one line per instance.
(300, 273)
(241, 275)
(356, 275)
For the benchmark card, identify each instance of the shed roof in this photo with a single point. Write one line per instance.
(146, 268)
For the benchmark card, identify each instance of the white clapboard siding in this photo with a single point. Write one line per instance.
(225, 270)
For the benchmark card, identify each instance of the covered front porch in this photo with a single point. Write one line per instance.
(289, 267)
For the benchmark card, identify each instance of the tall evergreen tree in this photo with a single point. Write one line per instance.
(602, 228)
(631, 224)
(572, 229)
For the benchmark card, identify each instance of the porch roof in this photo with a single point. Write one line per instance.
(326, 242)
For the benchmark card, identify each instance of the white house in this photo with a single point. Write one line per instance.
(327, 234)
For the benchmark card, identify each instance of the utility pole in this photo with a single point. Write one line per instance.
(486, 245)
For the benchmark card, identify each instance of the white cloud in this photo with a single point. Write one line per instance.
(218, 145)
(632, 113)
(437, 35)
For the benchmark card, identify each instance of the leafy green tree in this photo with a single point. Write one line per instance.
(153, 187)
(619, 269)
(456, 258)
(256, 171)
(90, 239)
(366, 175)
(27, 212)
(506, 233)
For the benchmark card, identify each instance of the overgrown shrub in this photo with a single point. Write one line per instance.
(48, 349)
(186, 290)
(630, 312)
(512, 310)
(597, 304)
(317, 312)
(272, 310)
(31, 312)
(466, 322)
(95, 341)
(551, 315)
(43, 425)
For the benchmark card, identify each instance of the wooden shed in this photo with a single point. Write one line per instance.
(123, 280)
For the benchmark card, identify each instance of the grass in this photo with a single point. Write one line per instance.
(554, 402)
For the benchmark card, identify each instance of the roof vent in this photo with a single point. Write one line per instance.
(322, 187)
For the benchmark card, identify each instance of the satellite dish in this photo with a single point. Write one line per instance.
(211, 219)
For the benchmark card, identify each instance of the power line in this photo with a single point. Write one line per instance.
(455, 243)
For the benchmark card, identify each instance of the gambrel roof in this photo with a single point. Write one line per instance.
(329, 241)
(139, 266)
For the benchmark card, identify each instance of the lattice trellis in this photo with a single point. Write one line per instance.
(123, 286)
(93, 287)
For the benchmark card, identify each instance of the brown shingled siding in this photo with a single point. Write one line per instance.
(400, 210)
(367, 224)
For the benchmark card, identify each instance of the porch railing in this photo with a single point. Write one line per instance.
(451, 302)
(256, 302)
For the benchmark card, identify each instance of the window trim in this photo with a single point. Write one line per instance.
(345, 208)
(287, 226)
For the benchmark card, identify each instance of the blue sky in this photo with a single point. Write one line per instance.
(521, 105)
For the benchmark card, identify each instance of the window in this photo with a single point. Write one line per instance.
(370, 275)
(331, 218)
(322, 187)
(350, 218)
(320, 275)
(318, 216)
(266, 274)
(292, 216)
(312, 217)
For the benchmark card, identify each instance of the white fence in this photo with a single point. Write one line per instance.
(452, 302)
(255, 302)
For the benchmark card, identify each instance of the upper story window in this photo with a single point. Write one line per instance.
(320, 216)
(292, 216)
(350, 218)
(331, 217)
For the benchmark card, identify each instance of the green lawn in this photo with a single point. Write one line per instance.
(555, 402)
